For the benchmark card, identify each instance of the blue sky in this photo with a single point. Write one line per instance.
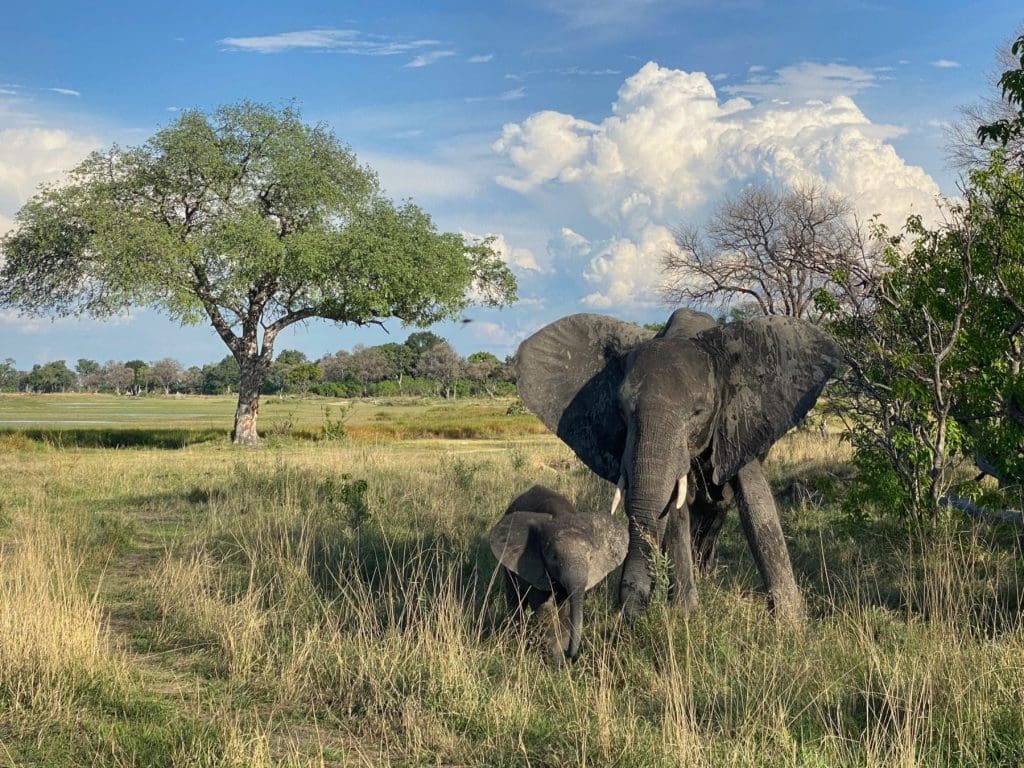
(578, 132)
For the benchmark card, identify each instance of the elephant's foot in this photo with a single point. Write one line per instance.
(634, 598)
(683, 596)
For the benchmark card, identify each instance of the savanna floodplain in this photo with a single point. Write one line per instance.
(167, 599)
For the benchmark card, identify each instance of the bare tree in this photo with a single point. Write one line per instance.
(336, 367)
(773, 249)
(964, 149)
(442, 364)
(369, 365)
(118, 376)
(166, 373)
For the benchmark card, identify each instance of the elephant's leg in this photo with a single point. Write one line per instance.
(677, 546)
(760, 520)
(707, 517)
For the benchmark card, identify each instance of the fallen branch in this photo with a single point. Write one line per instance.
(991, 516)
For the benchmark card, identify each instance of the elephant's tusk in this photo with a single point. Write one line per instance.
(618, 492)
(681, 492)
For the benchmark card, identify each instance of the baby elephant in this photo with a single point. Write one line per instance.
(546, 548)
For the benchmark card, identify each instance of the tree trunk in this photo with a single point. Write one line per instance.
(244, 432)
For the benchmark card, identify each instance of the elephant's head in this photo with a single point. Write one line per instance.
(639, 408)
(556, 550)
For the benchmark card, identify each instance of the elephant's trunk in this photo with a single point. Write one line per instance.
(656, 461)
(575, 623)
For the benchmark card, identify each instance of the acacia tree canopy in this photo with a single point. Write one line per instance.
(250, 220)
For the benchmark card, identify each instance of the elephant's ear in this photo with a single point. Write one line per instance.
(569, 374)
(517, 543)
(686, 323)
(612, 540)
(772, 370)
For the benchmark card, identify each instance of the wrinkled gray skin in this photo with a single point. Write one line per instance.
(546, 548)
(700, 400)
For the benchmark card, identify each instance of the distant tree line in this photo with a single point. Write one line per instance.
(424, 364)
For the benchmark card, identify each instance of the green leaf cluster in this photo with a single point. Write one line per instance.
(247, 218)
(1011, 84)
(936, 354)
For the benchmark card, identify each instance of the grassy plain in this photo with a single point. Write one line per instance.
(331, 602)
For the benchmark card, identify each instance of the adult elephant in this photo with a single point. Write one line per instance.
(699, 400)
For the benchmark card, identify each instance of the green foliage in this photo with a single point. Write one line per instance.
(333, 427)
(291, 357)
(516, 408)
(348, 495)
(990, 404)
(935, 353)
(904, 368)
(222, 377)
(84, 366)
(401, 358)
(463, 474)
(483, 357)
(245, 209)
(50, 377)
(9, 375)
(1011, 84)
(420, 341)
(301, 376)
(250, 220)
(877, 486)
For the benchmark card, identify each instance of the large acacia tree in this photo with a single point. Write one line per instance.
(250, 220)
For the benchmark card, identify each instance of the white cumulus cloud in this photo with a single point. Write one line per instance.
(946, 64)
(496, 334)
(522, 258)
(672, 147)
(31, 155)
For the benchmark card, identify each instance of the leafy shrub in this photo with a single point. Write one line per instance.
(334, 428)
(516, 408)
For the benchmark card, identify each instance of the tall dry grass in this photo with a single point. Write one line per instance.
(388, 627)
(54, 644)
(269, 612)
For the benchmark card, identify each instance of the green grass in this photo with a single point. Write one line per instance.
(332, 603)
(109, 421)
